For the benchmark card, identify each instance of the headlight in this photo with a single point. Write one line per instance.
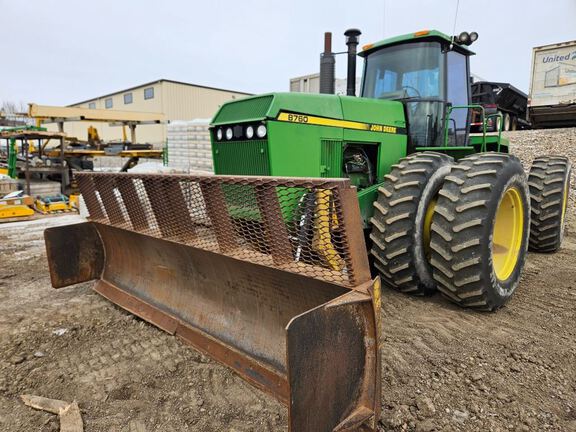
(249, 132)
(219, 134)
(229, 134)
(261, 131)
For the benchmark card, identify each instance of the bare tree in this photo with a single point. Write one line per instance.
(11, 108)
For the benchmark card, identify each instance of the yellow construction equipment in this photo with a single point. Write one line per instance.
(17, 207)
(53, 204)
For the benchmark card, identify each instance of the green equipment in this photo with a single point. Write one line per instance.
(273, 265)
(12, 157)
(445, 209)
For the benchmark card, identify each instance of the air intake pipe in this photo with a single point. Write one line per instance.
(352, 43)
(327, 65)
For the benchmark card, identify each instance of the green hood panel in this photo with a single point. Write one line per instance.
(268, 106)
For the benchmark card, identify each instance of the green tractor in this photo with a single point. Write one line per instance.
(265, 267)
(442, 209)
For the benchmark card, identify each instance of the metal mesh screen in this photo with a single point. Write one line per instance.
(298, 225)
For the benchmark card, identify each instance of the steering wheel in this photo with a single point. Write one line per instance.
(412, 88)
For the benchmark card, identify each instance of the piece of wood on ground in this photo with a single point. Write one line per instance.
(70, 419)
(41, 403)
(69, 413)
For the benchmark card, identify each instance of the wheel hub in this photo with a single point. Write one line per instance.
(507, 234)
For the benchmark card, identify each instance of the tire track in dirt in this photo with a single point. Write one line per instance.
(464, 361)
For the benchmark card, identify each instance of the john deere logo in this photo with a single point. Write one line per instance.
(557, 58)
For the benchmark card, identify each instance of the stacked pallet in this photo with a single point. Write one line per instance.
(189, 146)
(41, 188)
(7, 185)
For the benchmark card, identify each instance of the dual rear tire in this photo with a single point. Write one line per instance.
(480, 231)
(464, 229)
(402, 218)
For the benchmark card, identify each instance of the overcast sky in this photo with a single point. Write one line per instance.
(61, 52)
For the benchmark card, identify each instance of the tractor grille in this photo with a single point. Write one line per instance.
(243, 110)
(241, 157)
(331, 158)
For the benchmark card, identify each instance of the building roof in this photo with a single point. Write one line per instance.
(157, 82)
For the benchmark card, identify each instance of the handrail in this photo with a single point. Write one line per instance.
(484, 122)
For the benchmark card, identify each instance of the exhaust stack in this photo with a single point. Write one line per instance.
(352, 41)
(327, 66)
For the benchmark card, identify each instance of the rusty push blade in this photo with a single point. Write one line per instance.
(268, 276)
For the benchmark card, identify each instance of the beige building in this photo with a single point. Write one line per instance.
(177, 100)
(311, 84)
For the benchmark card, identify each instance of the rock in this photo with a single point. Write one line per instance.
(426, 426)
(476, 377)
(398, 418)
(59, 332)
(17, 359)
(515, 368)
(425, 406)
(39, 354)
(460, 416)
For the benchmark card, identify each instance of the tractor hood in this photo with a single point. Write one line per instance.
(270, 106)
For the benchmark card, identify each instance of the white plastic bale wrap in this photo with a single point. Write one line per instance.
(189, 146)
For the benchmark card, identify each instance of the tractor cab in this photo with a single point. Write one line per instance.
(428, 72)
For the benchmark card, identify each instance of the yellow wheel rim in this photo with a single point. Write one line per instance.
(507, 234)
(565, 201)
(428, 224)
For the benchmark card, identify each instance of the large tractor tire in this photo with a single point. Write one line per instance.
(401, 223)
(549, 182)
(480, 231)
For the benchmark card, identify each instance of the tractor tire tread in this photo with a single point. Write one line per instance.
(548, 177)
(393, 222)
(458, 242)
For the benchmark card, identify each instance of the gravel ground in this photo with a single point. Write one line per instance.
(532, 143)
(444, 368)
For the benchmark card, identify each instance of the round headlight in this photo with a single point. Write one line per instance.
(464, 38)
(219, 134)
(261, 131)
(229, 134)
(249, 132)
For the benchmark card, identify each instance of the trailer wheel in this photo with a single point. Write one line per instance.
(400, 234)
(549, 182)
(506, 120)
(480, 231)
(514, 123)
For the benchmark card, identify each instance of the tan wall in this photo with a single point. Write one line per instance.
(188, 102)
(177, 101)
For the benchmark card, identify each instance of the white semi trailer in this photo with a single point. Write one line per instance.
(552, 99)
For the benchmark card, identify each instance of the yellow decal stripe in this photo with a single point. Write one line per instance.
(323, 121)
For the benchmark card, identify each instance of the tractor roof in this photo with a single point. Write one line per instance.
(424, 35)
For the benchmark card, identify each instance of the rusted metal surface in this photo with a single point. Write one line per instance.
(265, 220)
(75, 254)
(243, 270)
(334, 346)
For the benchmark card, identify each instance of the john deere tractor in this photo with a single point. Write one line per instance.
(442, 209)
(266, 267)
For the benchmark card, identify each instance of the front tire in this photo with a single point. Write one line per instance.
(480, 231)
(402, 215)
(549, 182)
